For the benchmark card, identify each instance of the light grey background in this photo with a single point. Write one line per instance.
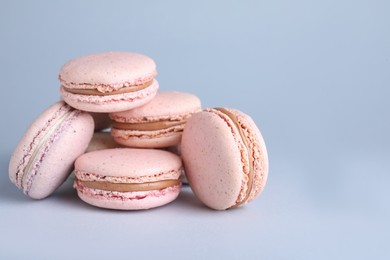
(314, 75)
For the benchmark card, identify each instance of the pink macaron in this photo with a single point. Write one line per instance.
(127, 178)
(157, 124)
(44, 157)
(225, 158)
(108, 82)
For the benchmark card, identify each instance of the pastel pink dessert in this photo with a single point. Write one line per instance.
(157, 124)
(225, 158)
(108, 82)
(128, 179)
(44, 157)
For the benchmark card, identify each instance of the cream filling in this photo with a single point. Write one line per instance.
(128, 187)
(96, 92)
(148, 126)
(250, 159)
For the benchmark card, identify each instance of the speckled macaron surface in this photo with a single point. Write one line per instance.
(127, 178)
(108, 82)
(225, 158)
(43, 159)
(157, 124)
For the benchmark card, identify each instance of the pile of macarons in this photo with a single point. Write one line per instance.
(128, 146)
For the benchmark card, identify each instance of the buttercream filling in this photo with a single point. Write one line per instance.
(96, 92)
(148, 126)
(250, 159)
(128, 187)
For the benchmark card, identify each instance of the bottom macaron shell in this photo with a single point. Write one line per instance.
(153, 140)
(128, 200)
(110, 103)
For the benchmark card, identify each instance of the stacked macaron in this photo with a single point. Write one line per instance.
(117, 133)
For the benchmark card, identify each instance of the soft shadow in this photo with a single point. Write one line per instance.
(187, 200)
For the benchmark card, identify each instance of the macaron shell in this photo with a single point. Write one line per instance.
(167, 105)
(139, 201)
(147, 139)
(111, 103)
(113, 69)
(261, 166)
(212, 160)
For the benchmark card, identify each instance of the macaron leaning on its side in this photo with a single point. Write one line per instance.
(108, 82)
(157, 124)
(44, 157)
(225, 158)
(128, 179)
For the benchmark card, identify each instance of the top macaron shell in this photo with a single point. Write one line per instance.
(215, 159)
(168, 106)
(138, 164)
(45, 150)
(107, 72)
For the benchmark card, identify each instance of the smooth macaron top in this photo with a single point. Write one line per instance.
(225, 158)
(166, 105)
(128, 165)
(107, 71)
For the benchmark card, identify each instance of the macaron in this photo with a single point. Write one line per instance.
(157, 124)
(44, 157)
(127, 178)
(225, 158)
(102, 140)
(108, 82)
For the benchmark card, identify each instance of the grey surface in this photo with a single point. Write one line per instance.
(315, 77)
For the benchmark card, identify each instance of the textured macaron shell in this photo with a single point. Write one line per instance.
(110, 103)
(129, 200)
(134, 165)
(48, 149)
(127, 165)
(166, 106)
(148, 139)
(107, 71)
(216, 159)
(260, 154)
